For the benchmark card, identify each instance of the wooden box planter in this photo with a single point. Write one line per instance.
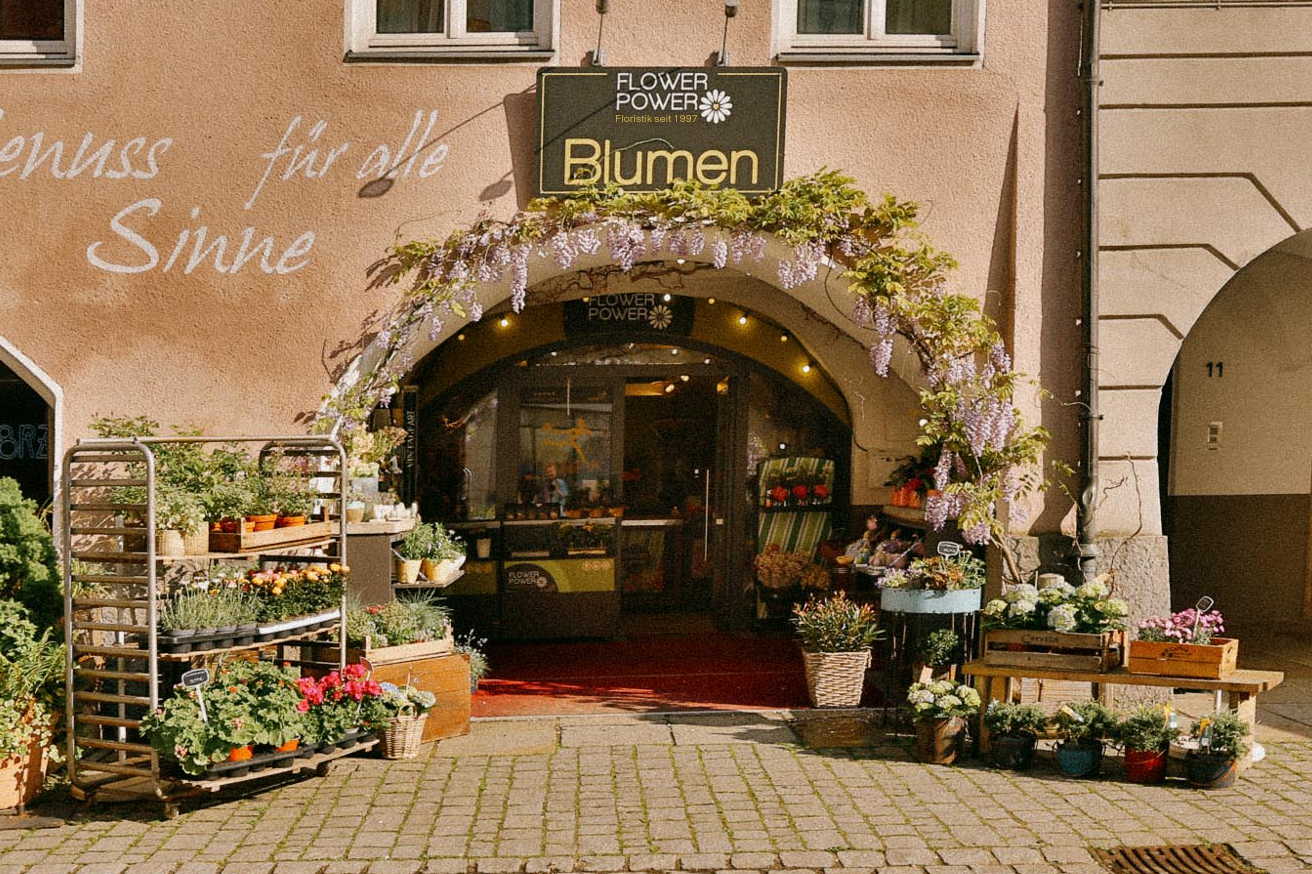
(1054, 650)
(1212, 661)
(379, 656)
(256, 541)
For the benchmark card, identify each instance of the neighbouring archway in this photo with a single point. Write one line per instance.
(31, 407)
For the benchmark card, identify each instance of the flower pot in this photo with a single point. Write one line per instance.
(1145, 767)
(483, 547)
(925, 601)
(407, 571)
(836, 679)
(355, 514)
(240, 754)
(1011, 751)
(289, 521)
(21, 777)
(196, 543)
(1078, 760)
(262, 521)
(289, 747)
(1206, 771)
(939, 741)
(401, 738)
(169, 542)
(229, 526)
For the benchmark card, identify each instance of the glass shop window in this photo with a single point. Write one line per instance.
(565, 446)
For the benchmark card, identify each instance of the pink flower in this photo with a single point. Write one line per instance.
(303, 706)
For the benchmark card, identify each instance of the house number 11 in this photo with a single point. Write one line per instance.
(1215, 368)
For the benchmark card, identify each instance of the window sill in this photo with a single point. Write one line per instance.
(15, 60)
(468, 54)
(877, 58)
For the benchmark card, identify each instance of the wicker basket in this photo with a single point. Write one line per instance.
(835, 679)
(401, 738)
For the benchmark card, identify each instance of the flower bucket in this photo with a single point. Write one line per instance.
(1211, 772)
(937, 601)
(939, 741)
(407, 571)
(836, 679)
(1145, 767)
(1012, 752)
(1078, 760)
(240, 754)
(263, 521)
(401, 738)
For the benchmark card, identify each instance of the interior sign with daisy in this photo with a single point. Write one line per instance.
(637, 311)
(646, 128)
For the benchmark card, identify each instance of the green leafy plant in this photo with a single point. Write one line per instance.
(1015, 720)
(835, 625)
(409, 619)
(290, 495)
(1084, 722)
(29, 571)
(941, 647)
(417, 543)
(940, 573)
(472, 646)
(406, 700)
(1223, 734)
(942, 699)
(216, 608)
(228, 499)
(31, 682)
(177, 509)
(1146, 729)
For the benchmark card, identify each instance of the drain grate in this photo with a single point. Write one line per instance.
(1178, 859)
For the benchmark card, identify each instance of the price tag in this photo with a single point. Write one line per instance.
(949, 549)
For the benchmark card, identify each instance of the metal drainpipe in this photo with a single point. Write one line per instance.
(1087, 504)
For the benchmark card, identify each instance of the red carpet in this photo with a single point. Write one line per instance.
(642, 674)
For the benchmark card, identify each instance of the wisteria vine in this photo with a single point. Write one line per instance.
(987, 455)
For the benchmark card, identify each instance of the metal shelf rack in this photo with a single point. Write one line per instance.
(113, 666)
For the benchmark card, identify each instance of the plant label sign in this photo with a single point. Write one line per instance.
(645, 128)
(194, 678)
(948, 549)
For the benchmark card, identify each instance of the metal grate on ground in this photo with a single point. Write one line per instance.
(1175, 859)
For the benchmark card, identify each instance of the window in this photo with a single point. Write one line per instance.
(507, 29)
(38, 32)
(906, 31)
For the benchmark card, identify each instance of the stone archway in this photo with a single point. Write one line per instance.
(29, 440)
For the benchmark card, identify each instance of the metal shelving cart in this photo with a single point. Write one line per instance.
(115, 581)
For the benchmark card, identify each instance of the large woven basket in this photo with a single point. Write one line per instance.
(835, 679)
(401, 738)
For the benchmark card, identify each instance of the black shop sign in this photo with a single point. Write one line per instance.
(646, 128)
(642, 312)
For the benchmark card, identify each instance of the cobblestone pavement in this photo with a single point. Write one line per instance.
(702, 793)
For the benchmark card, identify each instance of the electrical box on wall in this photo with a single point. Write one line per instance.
(1213, 435)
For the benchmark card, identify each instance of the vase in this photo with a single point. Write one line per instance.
(1011, 751)
(1207, 771)
(939, 741)
(836, 679)
(1078, 760)
(1145, 767)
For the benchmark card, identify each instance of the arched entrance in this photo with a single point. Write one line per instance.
(30, 407)
(1238, 452)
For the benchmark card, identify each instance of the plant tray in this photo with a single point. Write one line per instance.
(388, 655)
(196, 644)
(1214, 661)
(257, 541)
(1054, 650)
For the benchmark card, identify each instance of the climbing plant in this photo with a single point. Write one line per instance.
(898, 282)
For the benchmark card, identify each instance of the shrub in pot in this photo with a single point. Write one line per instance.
(1222, 741)
(941, 709)
(446, 555)
(179, 521)
(836, 635)
(31, 693)
(262, 511)
(406, 710)
(292, 500)
(1145, 735)
(411, 551)
(227, 503)
(1013, 732)
(1084, 728)
(940, 651)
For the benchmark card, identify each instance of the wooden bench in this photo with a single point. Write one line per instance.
(997, 683)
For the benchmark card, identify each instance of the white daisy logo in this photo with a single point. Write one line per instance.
(660, 317)
(716, 106)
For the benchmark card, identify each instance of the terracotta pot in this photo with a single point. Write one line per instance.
(1078, 760)
(1145, 767)
(263, 521)
(21, 777)
(407, 571)
(289, 521)
(1212, 772)
(939, 741)
(289, 747)
(240, 754)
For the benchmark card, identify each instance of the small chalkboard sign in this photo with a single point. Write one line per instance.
(197, 677)
(949, 549)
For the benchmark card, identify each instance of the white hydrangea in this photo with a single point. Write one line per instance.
(1023, 592)
(920, 696)
(997, 608)
(1114, 607)
(1094, 590)
(1062, 617)
(969, 696)
(1020, 608)
(1059, 593)
(950, 702)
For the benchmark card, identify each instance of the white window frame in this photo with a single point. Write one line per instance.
(364, 41)
(963, 43)
(47, 52)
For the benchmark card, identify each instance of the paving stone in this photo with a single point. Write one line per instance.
(704, 861)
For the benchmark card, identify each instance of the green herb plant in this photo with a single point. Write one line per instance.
(835, 625)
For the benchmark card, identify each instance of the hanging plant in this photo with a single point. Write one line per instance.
(986, 455)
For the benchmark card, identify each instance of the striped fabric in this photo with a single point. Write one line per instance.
(801, 530)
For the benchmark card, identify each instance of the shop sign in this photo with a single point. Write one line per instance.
(646, 312)
(646, 128)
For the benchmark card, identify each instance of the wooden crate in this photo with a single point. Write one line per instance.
(1054, 650)
(1214, 661)
(389, 655)
(447, 677)
(255, 541)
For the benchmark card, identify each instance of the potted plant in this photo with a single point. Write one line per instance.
(1013, 732)
(31, 692)
(479, 667)
(941, 709)
(406, 711)
(1184, 644)
(179, 522)
(1084, 727)
(292, 500)
(1222, 741)
(1060, 626)
(938, 584)
(779, 573)
(836, 637)
(411, 551)
(1145, 735)
(227, 503)
(339, 706)
(939, 652)
(262, 509)
(446, 555)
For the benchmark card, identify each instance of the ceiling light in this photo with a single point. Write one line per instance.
(669, 387)
(783, 338)
(783, 447)
(460, 336)
(706, 361)
(685, 377)
(505, 322)
(667, 298)
(710, 300)
(674, 351)
(742, 320)
(553, 353)
(680, 260)
(806, 368)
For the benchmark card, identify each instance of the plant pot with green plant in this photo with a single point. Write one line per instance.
(1145, 736)
(226, 505)
(941, 709)
(1084, 728)
(1013, 732)
(406, 711)
(292, 500)
(939, 653)
(1222, 742)
(179, 521)
(446, 555)
(31, 693)
(262, 510)
(836, 635)
(195, 619)
(411, 551)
